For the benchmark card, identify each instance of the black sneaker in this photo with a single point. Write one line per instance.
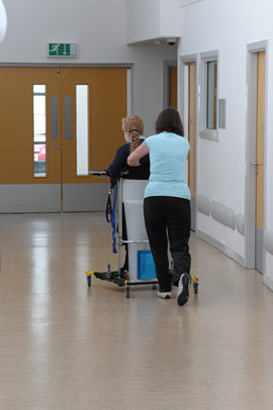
(183, 289)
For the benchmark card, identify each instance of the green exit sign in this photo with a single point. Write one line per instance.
(62, 50)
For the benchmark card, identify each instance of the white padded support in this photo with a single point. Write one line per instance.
(133, 194)
(133, 189)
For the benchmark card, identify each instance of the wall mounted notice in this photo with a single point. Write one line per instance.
(62, 50)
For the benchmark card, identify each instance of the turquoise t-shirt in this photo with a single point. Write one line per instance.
(168, 154)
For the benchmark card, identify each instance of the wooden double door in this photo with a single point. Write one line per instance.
(55, 125)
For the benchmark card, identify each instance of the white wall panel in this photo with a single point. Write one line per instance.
(151, 19)
(143, 20)
(229, 26)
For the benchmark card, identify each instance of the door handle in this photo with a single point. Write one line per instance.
(57, 147)
(255, 163)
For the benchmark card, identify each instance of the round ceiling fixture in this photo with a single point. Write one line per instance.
(3, 21)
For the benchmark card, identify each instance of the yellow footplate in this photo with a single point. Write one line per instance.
(89, 274)
(195, 281)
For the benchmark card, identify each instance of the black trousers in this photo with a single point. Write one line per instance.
(168, 219)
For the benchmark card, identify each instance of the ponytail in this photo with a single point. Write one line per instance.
(134, 134)
(135, 127)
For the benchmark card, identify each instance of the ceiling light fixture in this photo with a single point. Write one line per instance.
(3, 21)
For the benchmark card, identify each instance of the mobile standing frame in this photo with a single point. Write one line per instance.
(128, 195)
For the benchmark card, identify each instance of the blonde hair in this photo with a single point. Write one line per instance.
(134, 125)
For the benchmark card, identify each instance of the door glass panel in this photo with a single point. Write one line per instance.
(82, 129)
(39, 129)
(211, 94)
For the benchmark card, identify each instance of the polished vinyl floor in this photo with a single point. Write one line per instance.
(64, 346)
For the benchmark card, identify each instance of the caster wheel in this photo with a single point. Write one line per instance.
(195, 288)
(89, 280)
(127, 291)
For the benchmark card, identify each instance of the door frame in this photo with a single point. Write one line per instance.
(166, 65)
(183, 95)
(251, 124)
(27, 204)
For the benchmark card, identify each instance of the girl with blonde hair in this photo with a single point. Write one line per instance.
(133, 129)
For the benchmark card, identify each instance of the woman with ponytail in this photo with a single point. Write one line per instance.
(133, 129)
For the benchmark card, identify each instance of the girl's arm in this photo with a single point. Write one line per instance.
(119, 162)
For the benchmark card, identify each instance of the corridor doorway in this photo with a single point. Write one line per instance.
(256, 154)
(57, 124)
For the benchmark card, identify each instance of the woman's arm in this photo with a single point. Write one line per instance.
(133, 159)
